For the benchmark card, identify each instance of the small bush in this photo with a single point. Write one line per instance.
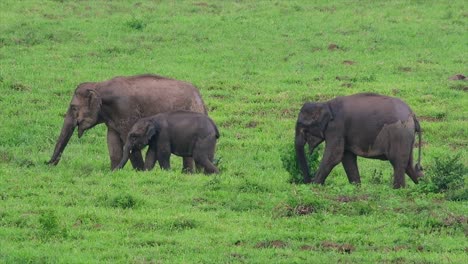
(182, 223)
(123, 201)
(447, 175)
(136, 24)
(291, 164)
(50, 226)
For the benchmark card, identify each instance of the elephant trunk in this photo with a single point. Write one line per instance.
(125, 157)
(300, 142)
(69, 125)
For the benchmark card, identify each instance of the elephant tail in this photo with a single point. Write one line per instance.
(418, 129)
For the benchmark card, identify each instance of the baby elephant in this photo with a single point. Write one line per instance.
(186, 134)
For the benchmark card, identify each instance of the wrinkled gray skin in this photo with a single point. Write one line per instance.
(119, 103)
(182, 133)
(366, 125)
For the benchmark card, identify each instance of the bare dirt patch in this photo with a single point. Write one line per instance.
(405, 69)
(457, 77)
(271, 244)
(347, 199)
(348, 62)
(342, 78)
(288, 113)
(342, 248)
(252, 124)
(333, 47)
(430, 118)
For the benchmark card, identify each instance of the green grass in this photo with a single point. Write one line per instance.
(255, 63)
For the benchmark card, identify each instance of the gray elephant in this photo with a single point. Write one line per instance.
(182, 133)
(366, 125)
(119, 103)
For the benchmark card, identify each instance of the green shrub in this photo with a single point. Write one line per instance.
(123, 201)
(291, 165)
(447, 175)
(50, 226)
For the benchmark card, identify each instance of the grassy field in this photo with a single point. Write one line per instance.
(255, 63)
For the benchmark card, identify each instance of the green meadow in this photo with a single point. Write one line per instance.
(255, 64)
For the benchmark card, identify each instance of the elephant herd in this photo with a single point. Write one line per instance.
(170, 117)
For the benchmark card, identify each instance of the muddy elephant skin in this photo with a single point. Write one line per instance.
(366, 125)
(119, 103)
(183, 133)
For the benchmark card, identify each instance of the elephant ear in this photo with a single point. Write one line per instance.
(326, 115)
(94, 102)
(152, 130)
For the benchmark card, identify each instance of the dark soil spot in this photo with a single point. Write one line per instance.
(308, 248)
(271, 244)
(430, 118)
(252, 124)
(343, 78)
(230, 123)
(200, 4)
(405, 69)
(342, 248)
(455, 220)
(347, 199)
(304, 209)
(460, 87)
(348, 62)
(288, 113)
(399, 248)
(239, 243)
(395, 91)
(237, 256)
(333, 46)
(420, 248)
(457, 77)
(19, 87)
(5, 157)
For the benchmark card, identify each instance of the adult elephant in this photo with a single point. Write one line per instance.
(367, 125)
(119, 103)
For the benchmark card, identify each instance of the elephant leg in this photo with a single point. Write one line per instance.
(205, 162)
(198, 167)
(150, 159)
(187, 165)
(399, 153)
(399, 162)
(203, 154)
(114, 145)
(398, 174)
(350, 165)
(332, 156)
(137, 160)
(164, 156)
(410, 170)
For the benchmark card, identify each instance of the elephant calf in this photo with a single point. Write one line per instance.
(183, 133)
(367, 125)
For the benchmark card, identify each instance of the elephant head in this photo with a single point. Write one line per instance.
(138, 137)
(83, 112)
(310, 128)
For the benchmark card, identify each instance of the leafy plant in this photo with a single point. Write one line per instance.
(123, 201)
(447, 175)
(291, 165)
